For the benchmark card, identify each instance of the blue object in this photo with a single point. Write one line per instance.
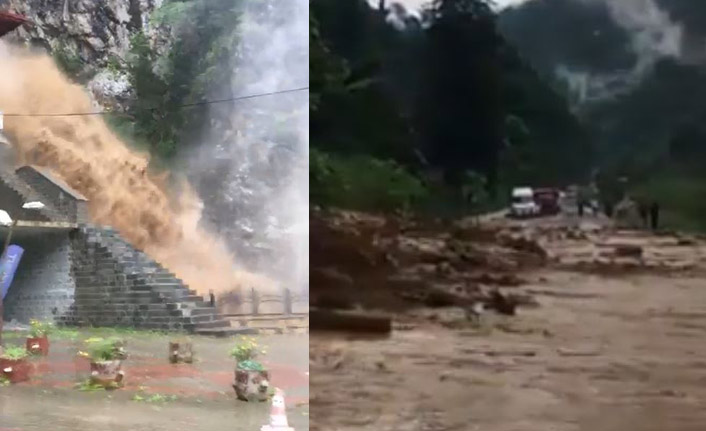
(8, 265)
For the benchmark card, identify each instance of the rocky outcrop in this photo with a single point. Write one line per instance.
(93, 30)
(90, 38)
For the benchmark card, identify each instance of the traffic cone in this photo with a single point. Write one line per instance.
(278, 414)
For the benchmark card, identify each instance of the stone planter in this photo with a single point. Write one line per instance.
(108, 374)
(251, 385)
(38, 346)
(15, 370)
(181, 352)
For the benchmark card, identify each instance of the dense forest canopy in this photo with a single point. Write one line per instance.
(432, 107)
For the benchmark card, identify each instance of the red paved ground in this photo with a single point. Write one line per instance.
(147, 369)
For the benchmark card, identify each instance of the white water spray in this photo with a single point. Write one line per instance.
(258, 174)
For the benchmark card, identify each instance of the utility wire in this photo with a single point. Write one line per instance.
(187, 105)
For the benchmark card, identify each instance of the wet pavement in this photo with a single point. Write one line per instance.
(157, 395)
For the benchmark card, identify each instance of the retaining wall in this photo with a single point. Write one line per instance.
(43, 287)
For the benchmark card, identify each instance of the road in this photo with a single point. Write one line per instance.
(615, 344)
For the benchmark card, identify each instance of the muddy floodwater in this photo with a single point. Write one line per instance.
(613, 346)
(623, 355)
(157, 395)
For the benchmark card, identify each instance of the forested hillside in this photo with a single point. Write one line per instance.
(419, 111)
(636, 77)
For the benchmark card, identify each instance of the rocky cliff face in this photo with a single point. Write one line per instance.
(93, 30)
(87, 37)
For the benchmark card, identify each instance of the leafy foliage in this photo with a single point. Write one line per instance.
(362, 182)
(14, 353)
(104, 349)
(69, 62)
(202, 55)
(246, 350)
(38, 329)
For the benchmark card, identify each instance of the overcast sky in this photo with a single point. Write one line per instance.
(414, 4)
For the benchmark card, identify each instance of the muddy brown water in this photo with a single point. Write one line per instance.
(599, 354)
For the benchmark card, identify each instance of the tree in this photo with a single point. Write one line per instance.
(153, 114)
(461, 109)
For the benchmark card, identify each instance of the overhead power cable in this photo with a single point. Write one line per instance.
(187, 105)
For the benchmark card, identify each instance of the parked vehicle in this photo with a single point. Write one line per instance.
(523, 203)
(548, 201)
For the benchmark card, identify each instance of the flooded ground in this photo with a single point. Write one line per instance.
(611, 351)
(170, 397)
(618, 355)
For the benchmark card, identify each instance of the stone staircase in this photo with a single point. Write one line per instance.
(117, 285)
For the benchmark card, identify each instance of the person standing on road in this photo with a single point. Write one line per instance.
(654, 215)
(644, 213)
(608, 208)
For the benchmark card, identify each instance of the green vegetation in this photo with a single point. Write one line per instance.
(197, 66)
(104, 349)
(153, 398)
(96, 332)
(39, 329)
(201, 55)
(14, 353)
(245, 353)
(401, 120)
(88, 386)
(68, 61)
(362, 182)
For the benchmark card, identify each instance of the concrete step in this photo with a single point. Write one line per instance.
(225, 332)
(268, 316)
(197, 311)
(201, 318)
(270, 323)
(213, 324)
(168, 286)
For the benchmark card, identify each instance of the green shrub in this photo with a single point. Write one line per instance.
(14, 353)
(362, 183)
(68, 61)
(104, 349)
(245, 349)
(39, 329)
(245, 353)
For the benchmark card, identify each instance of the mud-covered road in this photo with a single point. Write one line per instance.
(616, 343)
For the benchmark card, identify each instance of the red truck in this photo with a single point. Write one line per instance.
(548, 201)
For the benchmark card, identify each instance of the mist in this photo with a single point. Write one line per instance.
(653, 35)
(251, 168)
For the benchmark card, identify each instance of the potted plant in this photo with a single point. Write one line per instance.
(105, 356)
(14, 366)
(251, 378)
(38, 341)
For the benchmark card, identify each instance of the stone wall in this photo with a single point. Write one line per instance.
(43, 287)
(70, 205)
(91, 277)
